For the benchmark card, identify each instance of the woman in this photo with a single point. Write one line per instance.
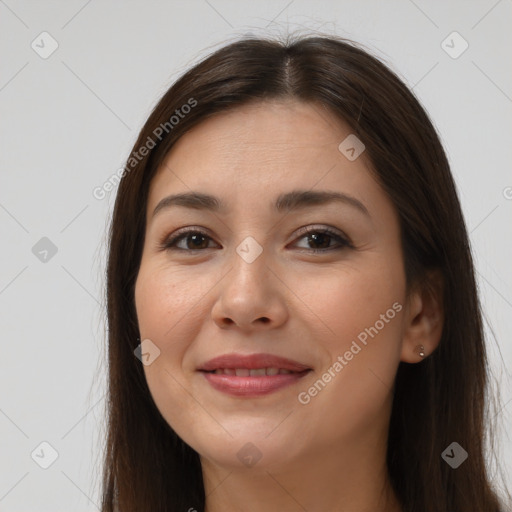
(290, 265)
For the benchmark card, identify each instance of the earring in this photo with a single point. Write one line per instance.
(420, 349)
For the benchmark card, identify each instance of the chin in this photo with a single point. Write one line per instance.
(247, 449)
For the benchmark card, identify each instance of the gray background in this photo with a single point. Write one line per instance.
(69, 122)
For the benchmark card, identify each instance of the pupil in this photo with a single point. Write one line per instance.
(196, 239)
(321, 236)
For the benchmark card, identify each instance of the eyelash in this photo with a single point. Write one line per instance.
(168, 244)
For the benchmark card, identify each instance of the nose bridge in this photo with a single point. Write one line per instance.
(250, 238)
(249, 266)
(250, 250)
(249, 293)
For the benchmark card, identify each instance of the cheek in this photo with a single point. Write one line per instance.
(170, 309)
(363, 310)
(169, 312)
(164, 299)
(352, 302)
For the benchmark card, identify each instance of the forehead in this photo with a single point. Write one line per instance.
(263, 149)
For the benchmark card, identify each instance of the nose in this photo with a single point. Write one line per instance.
(251, 296)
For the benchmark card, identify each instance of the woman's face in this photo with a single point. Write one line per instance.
(253, 282)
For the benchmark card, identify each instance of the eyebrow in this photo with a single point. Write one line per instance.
(284, 203)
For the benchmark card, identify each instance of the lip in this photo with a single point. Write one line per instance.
(252, 386)
(252, 362)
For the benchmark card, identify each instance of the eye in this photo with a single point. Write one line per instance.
(322, 237)
(193, 239)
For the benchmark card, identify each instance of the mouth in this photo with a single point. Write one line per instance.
(253, 372)
(252, 375)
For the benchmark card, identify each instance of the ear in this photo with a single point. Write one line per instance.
(424, 318)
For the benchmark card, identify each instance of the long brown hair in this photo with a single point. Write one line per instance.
(436, 402)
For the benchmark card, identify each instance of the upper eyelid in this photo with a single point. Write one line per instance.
(299, 231)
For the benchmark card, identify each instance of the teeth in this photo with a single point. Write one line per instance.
(256, 372)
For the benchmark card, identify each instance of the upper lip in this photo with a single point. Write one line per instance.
(252, 362)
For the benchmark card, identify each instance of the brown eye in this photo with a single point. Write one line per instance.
(321, 240)
(193, 240)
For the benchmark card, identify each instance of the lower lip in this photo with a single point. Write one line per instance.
(252, 386)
